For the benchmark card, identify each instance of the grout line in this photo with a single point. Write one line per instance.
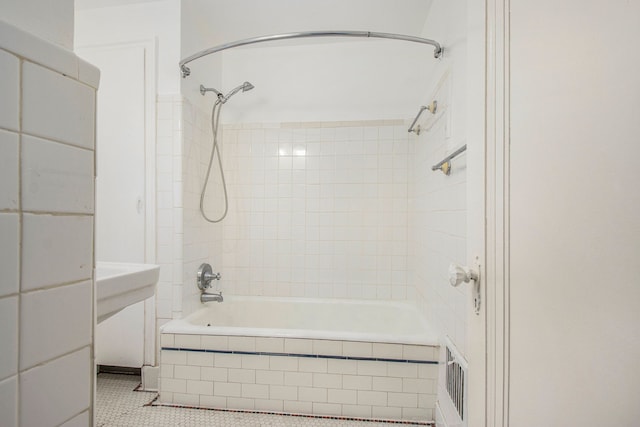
(19, 402)
(287, 414)
(311, 356)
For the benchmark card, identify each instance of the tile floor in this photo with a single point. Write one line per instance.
(118, 405)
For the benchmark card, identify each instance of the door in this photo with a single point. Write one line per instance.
(120, 189)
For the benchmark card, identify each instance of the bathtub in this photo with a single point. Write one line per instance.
(344, 358)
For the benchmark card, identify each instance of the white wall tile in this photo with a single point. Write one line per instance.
(9, 402)
(308, 364)
(386, 412)
(326, 408)
(8, 336)
(173, 385)
(57, 107)
(34, 48)
(188, 341)
(56, 177)
(59, 389)
(242, 343)
(327, 380)
(387, 384)
(311, 394)
(54, 321)
(298, 379)
(376, 398)
(356, 382)
(346, 397)
(273, 345)
(327, 347)
(9, 91)
(228, 389)
(186, 372)
(269, 377)
(8, 169)
(213, 342)
(298, 346)
(340, 366)
(387, 351)
(199, 387)
(9, 253)
(56, 249)
(298, 407)
(196, 358)
(255, 391)
(280, 363)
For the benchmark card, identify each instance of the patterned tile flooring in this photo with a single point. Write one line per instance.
(118, 405)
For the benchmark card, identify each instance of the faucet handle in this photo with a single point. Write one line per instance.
(205, 276)
(212, 276)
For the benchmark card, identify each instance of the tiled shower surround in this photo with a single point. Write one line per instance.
(304, 376)
(316, 210)
(322, 209)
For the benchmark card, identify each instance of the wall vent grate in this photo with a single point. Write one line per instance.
(456, 379)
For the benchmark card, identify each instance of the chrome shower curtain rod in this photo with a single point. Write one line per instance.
(186, 71)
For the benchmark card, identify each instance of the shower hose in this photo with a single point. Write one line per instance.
(215, 121)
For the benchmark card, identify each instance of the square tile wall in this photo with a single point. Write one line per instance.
(292, 384)
(169, 224)
(202, 239)
(316, 210)
(437, 230)
(47, 135)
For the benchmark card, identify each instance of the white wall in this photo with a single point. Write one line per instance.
(312, 79)
(575, 228)
(328, 81)
(47, 136)
(158, 21)
(49, 20)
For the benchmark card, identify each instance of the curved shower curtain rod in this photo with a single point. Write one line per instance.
(186, 71)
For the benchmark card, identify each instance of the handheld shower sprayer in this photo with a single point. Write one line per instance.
(215, 121)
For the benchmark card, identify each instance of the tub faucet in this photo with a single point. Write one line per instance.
(205, 297)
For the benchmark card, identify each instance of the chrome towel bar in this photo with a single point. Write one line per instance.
(432, 109)
(445, 164)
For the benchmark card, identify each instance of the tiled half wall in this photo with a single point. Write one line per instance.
(305, 376)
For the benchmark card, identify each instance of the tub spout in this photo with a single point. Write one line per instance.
(204, 297)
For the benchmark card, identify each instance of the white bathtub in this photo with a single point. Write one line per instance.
(332, 319)
(352, 359)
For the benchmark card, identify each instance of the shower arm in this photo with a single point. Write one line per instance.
(437, 53)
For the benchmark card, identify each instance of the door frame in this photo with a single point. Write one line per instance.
(489, 331)
(149, 47)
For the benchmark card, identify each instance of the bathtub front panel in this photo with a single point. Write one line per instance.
(307, 376)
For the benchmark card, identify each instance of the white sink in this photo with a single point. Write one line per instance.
(119, 285)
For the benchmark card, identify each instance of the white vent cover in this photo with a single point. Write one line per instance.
(456, 369)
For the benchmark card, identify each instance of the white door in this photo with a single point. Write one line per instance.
(120, 188)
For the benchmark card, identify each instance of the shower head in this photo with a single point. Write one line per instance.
(224, 98)
(243, 87)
